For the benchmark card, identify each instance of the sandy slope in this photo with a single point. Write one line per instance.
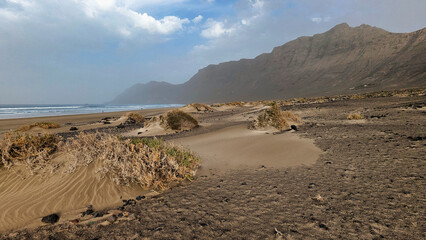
(23, 201)
(238, 147)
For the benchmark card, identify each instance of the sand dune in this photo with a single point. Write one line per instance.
(238, 147)
(23, 201)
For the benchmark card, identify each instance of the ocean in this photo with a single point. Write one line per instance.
(44, 110)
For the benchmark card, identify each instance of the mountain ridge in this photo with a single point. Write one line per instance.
(342, 60)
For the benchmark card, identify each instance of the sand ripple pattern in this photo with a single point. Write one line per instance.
(23, 201)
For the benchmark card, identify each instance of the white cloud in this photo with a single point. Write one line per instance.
(99, 9)
(197, 19)
(216, 29)
(166, 25)
(257, 4)
(8, 15)
(22, 3)
(320, 19)
(316, 19)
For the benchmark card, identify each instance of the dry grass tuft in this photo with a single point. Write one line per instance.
(148, 162)
(135, 118)
(201, 107)
(32, 151)
(275, 117)
(236, 103)
(355, 116)
(179, 120)
(44, 125)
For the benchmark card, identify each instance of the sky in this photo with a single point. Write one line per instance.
(89, 51)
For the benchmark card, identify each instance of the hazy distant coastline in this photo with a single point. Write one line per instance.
(10, 111)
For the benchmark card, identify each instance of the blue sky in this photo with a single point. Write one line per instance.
(88, 51)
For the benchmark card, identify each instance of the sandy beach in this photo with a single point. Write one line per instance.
(54, 190)
(81, 121)
(318, 181)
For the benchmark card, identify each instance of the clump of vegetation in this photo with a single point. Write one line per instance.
(179, 120)
(355, 116)
(201, 107)
(236, 103)
(275, 117)
(44, 125)
(33, 151)
(134, 118)
(357, 96)
(148, 162)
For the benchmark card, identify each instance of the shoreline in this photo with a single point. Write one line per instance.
(67, 121)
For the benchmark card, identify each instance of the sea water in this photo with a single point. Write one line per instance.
(34, 110)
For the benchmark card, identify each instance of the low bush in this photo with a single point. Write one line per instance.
(355, 116)
(44, 125)
(235, 103)
(275, 117)
(33, 151)
(201, 107)
(179, 120)
(148, 162)
(135, 118)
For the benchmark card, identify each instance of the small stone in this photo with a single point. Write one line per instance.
(105, 223)
(112, 218)
(97, 214)
(323, 226)
(89, 210)
(75, 221)
(140, 198)
(52, 218)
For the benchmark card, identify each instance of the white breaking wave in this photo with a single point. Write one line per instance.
(26, 111)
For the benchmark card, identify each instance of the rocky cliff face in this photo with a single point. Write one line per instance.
(340, 61)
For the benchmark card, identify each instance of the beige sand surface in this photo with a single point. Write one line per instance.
(25, 199)
(152, 128)
(238, 147)
(82, 121)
